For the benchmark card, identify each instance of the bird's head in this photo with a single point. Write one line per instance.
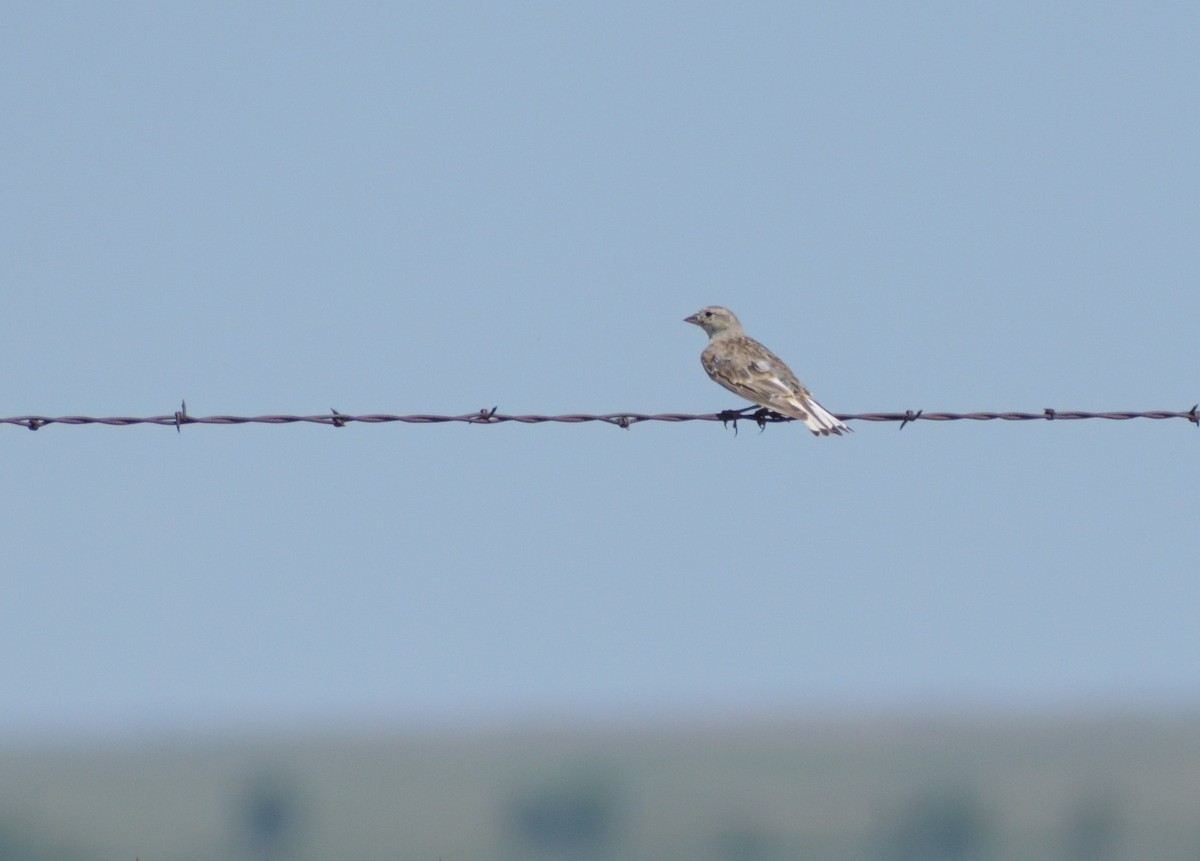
(714, 319)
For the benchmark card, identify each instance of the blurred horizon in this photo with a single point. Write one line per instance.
(956, 788)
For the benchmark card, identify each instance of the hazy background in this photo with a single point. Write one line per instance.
(437, 207)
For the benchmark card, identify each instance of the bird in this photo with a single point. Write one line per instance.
(748, 369)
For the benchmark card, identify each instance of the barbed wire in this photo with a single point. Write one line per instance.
(486, 416)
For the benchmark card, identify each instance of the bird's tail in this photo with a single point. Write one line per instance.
(821, 421)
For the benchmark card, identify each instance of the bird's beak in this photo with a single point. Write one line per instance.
(694, 319)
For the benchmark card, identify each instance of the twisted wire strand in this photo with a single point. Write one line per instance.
(624, 420)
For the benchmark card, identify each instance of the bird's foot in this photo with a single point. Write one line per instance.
(727, 416)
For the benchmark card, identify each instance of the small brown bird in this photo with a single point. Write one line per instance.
(747, 368)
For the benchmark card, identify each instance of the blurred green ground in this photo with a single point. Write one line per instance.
(884, 790)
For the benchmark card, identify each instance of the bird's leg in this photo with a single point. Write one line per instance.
(761, 417)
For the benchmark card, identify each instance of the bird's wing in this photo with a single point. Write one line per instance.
(748, 368)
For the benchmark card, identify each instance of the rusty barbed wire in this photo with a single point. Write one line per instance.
(490, 416)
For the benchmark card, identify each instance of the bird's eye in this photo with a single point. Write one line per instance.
(708, 313)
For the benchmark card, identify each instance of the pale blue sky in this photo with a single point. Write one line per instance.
(438, 207)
